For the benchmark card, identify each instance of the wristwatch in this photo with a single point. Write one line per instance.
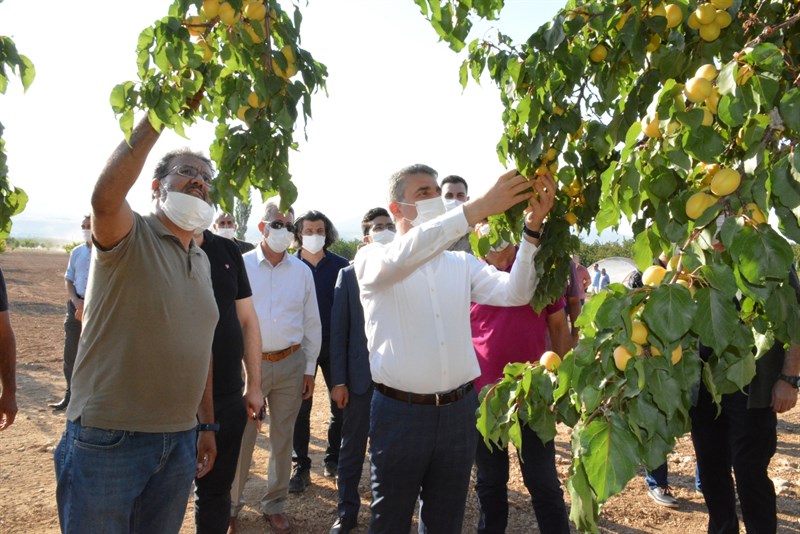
(793, 381)
(208, 427)
(533, 234)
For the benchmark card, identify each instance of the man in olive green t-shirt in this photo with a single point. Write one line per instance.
(141, 382)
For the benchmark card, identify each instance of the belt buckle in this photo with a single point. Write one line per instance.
(438, 397)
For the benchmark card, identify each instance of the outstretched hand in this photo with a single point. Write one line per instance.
(509, 190)
(540, 204)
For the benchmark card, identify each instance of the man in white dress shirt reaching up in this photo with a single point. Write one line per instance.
(416, 296)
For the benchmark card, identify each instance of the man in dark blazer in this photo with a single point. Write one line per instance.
(352, 391)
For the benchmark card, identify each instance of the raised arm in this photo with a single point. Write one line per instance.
(507, 191)
(112, 217)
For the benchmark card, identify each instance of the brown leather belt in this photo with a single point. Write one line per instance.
(438, 399)
(278, 355)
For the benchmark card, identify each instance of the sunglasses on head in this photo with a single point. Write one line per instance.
(277, 225)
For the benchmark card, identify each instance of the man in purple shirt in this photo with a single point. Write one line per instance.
(502, 336)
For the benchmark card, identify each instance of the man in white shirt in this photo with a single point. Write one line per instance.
(75, 279)
(416, 298)
(291, 333)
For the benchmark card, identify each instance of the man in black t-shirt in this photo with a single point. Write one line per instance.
(8, 362)
(237, 338)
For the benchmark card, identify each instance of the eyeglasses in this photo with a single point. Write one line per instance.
(193, 173)
(382, 227)
(277, 225)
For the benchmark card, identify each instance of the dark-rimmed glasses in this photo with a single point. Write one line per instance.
(277, 225)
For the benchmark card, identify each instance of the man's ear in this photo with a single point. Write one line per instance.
(261, 226)
(367, 239)
(394, 209)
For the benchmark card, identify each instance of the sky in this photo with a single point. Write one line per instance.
(394, 99)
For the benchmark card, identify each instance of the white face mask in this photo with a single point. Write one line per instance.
(499, 246)
(279, 240)
(427, 210)
(383, 237)
(87, 235)
(228, 233)
(451, 203)
(187, 211)
(313, 243)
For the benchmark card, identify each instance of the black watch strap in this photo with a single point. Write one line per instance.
(793, 381)
(533, 234)
(208, 427)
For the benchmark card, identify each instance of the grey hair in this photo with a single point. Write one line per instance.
(397, 183)
(272, 207)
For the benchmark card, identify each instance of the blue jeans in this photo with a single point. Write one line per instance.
(115, 481)
(538, 466)
(744, 440)
(420, 450)
(355, 429)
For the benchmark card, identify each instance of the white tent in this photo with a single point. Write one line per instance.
(618, 268)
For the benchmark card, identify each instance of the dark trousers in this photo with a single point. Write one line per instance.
(742, 439)
(302, 426)
(538, 465)
(212, 493)
(72, 336)
(355, 428)
(659, 477)
(423, 451)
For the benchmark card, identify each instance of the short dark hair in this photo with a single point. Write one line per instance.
(331, 235)
(453, 179)
(397, 183)
(371, 215)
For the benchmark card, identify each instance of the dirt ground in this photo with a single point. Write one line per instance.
(27, 485)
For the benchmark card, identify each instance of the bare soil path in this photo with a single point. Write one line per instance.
(27, 484)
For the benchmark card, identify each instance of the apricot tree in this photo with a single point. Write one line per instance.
(681, 117)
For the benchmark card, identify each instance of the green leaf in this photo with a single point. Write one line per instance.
(761, 254)
(584, 511)
(27, 72)
(731, 111)
(608, 450)
(665, 390)
(669, 312)
(765, 56)
(790, 109)
(716, 318)
(721, 278)
(703, 143)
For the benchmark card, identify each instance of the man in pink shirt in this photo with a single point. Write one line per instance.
(502, 336)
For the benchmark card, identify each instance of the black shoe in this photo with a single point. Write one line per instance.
(342, 526)
(301, 478)
(331, 469)
(60, 405)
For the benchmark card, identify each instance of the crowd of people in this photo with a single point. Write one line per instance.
(181, 341)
